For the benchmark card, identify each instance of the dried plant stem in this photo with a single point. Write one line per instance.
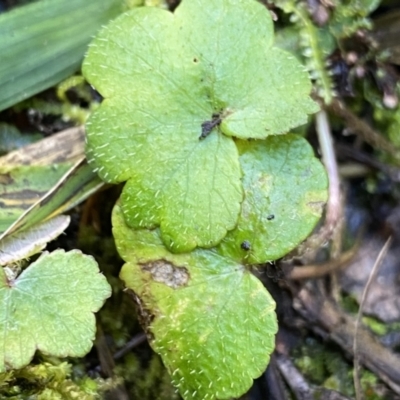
(333, 207)
(320, 270)
(325, 317)
(293, 377)
(371, 278)
(134, 342)
(361, 128)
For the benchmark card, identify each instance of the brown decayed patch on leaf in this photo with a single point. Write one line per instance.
(165, 272)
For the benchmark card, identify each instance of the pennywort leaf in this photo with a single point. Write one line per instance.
(210, 319)
(49, 307)
(178, 88)
(285, 190)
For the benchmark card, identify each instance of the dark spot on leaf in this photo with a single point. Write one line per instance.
(195, 60)
(208, 126)
(167, 273)
(246, 245)
(270, 217)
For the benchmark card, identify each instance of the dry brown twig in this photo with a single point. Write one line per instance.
(325, 317)
(371, 278)
(301, 389)
(361, 128)
(334, 212)
(67, 145)
(333, 206)
(320, 270)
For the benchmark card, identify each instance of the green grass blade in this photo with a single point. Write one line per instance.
(44, 42)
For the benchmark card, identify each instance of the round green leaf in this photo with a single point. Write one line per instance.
(177, 87)
(50, 307)
(210, 319)
(285, 191)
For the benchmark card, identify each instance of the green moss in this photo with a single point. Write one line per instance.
(326, 367)
(48, 381)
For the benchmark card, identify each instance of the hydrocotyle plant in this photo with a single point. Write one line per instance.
(178, 88)
(196, 113)
(49, 307)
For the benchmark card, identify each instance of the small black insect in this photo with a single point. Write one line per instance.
(208, 126)
(270, 217)
(246, 245)
(341, 75)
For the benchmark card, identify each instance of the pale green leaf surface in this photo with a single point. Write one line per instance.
(181, 185)
(182, 198)
(257, 115)
(163, 75)
(213, 29)
(156, 138)
(50, 307)
(142, 58)
(210, 319)
(285, 190)
(262, 90)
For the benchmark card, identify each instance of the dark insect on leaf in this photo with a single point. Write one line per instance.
(270, 217)
(246, 245)
(208, 126)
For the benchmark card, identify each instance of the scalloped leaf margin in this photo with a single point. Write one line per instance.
(177, 88)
